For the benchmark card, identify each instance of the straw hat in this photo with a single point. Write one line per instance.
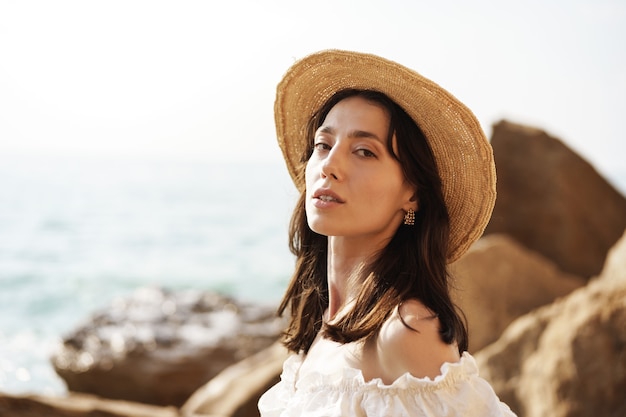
(463, 155)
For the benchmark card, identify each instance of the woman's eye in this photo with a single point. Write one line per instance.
(321, 146)
(365, 153)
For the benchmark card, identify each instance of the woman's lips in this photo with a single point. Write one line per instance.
(325, 198)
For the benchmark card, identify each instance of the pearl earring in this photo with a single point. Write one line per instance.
(409, 217)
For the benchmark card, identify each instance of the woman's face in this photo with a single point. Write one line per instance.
(354, 186)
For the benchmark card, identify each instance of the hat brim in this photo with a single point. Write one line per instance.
(463, 154)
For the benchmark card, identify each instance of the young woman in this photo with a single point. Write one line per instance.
(397, 180)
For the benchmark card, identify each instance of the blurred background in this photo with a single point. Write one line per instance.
(137, 143)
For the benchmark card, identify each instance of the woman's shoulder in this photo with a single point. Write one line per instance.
(409, 341)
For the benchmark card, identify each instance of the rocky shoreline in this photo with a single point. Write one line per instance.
(159, 346)
(543, 291)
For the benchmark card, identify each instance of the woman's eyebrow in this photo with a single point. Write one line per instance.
(326, 129)
(363, 134)
(353, 134)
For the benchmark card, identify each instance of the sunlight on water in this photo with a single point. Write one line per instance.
(76, 233)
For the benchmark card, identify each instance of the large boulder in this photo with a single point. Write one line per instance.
(553, 201)
(498, 280)
(567, 359)
(159, 346)
(235, 392)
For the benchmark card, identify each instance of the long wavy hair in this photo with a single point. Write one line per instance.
(412, 265)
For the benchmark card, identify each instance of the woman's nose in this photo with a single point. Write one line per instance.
(332, 164)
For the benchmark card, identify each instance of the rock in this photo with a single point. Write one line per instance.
(567, 359)
(226, 395)
(499, 280)
(78, 405)
(552, 201)
(615, 265)
(158, 346)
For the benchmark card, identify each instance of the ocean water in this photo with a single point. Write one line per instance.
(75, 233)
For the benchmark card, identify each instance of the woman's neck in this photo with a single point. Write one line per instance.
(345, 261)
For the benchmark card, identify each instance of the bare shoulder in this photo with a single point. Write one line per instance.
(410, 342)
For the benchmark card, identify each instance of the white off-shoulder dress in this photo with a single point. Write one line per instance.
(457, 391)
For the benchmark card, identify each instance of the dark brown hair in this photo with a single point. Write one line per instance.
(412, 265)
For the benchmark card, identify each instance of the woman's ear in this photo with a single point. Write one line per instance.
(411, 204)
(414, 201)
(411, 200)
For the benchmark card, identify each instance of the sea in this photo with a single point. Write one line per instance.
(78, 232)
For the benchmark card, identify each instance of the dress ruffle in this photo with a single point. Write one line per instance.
(457, 391)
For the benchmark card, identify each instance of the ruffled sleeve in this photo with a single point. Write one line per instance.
(457, 391)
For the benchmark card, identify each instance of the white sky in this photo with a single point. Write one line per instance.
(197, 78)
